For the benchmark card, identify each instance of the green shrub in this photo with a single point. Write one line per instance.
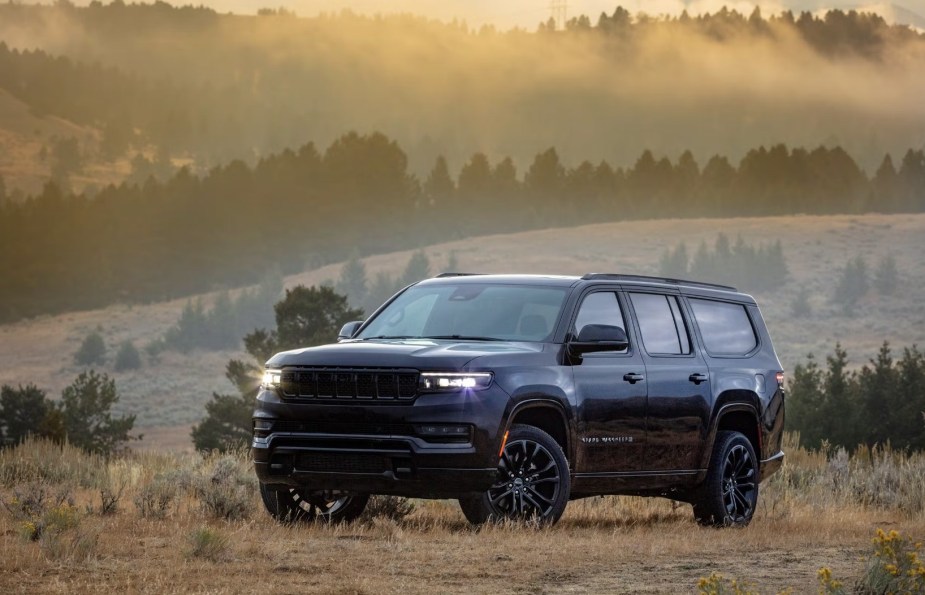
(394, 508)
(153, 500)
(127, 358)
(208, 544)
(228, 491)
(92, 351)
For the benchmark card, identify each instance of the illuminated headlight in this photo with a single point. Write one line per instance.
(450, 381)
(270, 379)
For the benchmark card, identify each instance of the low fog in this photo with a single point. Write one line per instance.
(278, 81)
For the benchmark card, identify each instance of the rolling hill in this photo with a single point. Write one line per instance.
(168, 395)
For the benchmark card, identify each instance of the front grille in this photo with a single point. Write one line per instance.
(325, 462)
(348, 384)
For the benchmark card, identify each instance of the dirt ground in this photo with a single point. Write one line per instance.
(596, 548)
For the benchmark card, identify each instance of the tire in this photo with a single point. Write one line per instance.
(729, 495)
(291, 505)
(532, 483)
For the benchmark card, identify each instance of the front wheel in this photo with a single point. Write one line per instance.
(532, 481)
(289, 505)
(729, 494)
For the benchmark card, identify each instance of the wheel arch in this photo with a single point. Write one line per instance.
(548, 415)
(738, 412)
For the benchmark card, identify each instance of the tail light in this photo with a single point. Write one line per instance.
(780, 379)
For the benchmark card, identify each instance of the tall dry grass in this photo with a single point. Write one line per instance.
(188, 523)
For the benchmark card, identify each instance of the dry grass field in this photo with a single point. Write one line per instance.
(168, 396)
(187, 524)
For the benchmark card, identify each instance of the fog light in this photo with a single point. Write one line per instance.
(455, 433)
(262, 428)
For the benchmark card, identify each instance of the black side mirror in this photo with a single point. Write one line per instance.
(598, 337)
(348, 330)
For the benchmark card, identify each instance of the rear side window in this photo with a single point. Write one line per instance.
(661, 324)
(725, 327)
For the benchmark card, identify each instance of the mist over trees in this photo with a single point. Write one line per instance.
(162, 240)
(226, 86)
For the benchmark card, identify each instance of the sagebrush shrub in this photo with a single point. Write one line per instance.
(208, 544)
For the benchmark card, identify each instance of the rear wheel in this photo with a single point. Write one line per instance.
(289, 505)
(532, 481)
(729, 495)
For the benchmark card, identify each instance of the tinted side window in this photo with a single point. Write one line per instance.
(601, 307)
(725, 327)
(661, 324)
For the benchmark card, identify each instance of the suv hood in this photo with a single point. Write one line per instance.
(421, 354)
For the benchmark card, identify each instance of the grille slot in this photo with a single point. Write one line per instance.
(349, 384)
(325, 462)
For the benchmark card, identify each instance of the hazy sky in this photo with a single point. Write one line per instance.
(528, 13)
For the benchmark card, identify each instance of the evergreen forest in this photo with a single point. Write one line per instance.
(303, 208)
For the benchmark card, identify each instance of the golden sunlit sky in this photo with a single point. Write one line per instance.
(528, 13)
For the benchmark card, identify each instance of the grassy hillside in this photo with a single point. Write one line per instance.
(169, 395)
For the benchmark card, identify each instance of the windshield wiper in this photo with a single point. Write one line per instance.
(389, 337)
(463, 338)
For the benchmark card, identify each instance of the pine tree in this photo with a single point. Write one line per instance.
(86, 409)
(306, 316)
(127, 358)
(852, 284)
(887, 276)
(352, 281)
(92, 351)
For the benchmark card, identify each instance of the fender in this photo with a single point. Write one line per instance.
(541, 402)
(738, 405)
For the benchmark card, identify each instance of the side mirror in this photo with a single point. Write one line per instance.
(348, 330)
(598, 337)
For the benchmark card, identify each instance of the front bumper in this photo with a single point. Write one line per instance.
(380, 449)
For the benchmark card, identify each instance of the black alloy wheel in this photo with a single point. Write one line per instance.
(729, 495)
(289, 505)
(532, 482)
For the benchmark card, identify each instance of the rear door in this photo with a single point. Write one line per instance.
(678, 412)
(611, 393)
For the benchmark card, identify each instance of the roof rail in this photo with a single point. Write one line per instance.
(441, 275)
(646, 278)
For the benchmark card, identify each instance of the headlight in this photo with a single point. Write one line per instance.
(450, 381)
(270, 379)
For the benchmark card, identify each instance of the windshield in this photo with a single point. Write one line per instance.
(470, 311)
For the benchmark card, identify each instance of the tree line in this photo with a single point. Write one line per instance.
(751, 268)
(836, 32)
(883, 402)
(296, 209)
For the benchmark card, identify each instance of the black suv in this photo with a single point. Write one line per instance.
(517, 393)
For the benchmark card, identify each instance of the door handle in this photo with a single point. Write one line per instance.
(633, 377)
(697, 377)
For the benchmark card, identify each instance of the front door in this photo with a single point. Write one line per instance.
(611, 394)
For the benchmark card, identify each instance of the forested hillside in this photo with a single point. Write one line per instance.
(206, 117)
(207, 87)
(296, 209)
